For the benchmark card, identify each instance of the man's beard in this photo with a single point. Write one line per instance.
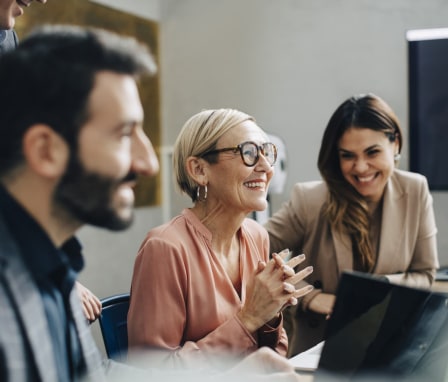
(88, 197)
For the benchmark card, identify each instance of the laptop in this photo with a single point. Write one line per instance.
(383, 331)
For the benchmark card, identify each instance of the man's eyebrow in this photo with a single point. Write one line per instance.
(131, 123)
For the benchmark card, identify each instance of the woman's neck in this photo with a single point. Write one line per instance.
(222, 225)
(374, 206)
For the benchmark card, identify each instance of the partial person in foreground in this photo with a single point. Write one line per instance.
(203, 284)
(9, 11)
(64, 89)
(365, 215)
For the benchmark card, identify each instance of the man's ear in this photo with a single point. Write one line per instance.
(197, 168)
(45, 151)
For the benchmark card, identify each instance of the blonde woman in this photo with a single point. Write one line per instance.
(203, 283)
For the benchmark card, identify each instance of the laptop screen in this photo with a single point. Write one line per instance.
(379, 328)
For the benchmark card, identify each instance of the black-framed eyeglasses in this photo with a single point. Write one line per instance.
(250, 152)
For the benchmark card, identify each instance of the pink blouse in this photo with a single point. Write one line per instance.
(182, 299)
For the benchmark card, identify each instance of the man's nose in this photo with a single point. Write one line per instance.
(144, 158)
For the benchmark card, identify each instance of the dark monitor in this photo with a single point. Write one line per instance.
(380, 331)
(428, 104)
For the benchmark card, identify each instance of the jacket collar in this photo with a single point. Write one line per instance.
(392, 226)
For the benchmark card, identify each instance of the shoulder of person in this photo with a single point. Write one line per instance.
(311, 186)
(413, 184)
(409, 178)
(173, 233)
(252, 226)
(312, 192)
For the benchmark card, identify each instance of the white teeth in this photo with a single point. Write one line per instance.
(365, 178)
(254, 184)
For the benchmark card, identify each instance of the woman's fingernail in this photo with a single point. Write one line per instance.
(288, 288)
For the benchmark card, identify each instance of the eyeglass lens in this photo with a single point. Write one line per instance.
(250, 153)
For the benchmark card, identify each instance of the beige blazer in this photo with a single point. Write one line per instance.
(407, 251)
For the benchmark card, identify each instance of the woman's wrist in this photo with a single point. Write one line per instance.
(249, 323)
(275, 321)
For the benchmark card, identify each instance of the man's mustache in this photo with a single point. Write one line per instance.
(131, 177)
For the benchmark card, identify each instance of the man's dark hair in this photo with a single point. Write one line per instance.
(49, 77)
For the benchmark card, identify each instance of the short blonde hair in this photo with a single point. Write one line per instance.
(198, 135)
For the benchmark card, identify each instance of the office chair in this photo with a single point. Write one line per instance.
(113, 324)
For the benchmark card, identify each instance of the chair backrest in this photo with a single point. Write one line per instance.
(113, 324)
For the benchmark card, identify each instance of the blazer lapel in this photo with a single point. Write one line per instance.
(392, 230)
(30, 310)
(392, 225)
(343, 246)
(28, 303)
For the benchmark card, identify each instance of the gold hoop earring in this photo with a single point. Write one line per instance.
(198, 194)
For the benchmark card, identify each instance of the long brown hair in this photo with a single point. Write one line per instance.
(346, 209)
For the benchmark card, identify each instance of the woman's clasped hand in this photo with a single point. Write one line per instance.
(272, 289)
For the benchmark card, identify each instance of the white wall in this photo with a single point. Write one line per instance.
(290, 63)
(287, 62)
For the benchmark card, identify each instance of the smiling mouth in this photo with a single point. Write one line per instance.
(365, 179)
(257, 185)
